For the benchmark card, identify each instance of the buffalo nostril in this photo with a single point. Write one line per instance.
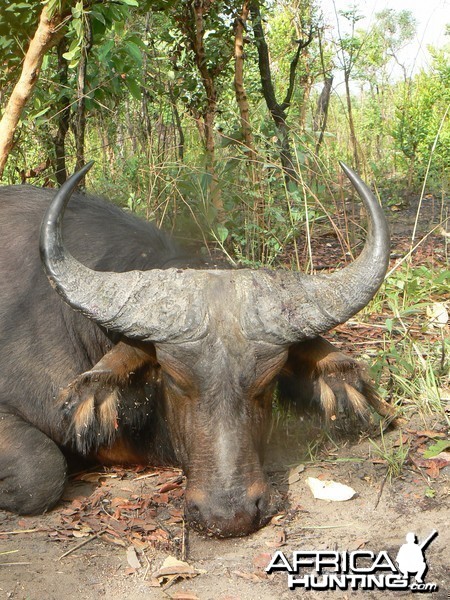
(261, 504)
(232, 513)
(193, 510)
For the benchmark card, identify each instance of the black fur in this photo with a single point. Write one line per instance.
(51, 398)
(44, 345)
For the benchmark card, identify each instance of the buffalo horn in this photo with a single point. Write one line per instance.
(281, 307)
(293, 306)
(157, 305)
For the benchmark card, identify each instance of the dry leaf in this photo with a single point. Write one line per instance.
(132, 558)
(139, 544)
(276, 519)
(262, 560)
(428, 433)
(94, 477)
(356, 545)
(433, 470)
(294, 474)
(173, 568)
(437, 315)
(330, 490)
(247, 576)
(280, 540)
(401, 441)
(444, 456)
(168, 487)
(184, 596)
(83, 531)
(23, 523)
(113, 540)
(293, 478)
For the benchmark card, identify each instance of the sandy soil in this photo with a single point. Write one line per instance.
(128, 516)
(378, 518)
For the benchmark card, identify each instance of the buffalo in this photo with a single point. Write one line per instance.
(125, 352)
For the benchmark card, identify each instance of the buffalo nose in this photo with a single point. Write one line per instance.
(228, 514)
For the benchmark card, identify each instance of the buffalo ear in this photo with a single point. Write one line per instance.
(318, 378)
(94, 403)
(123, 360)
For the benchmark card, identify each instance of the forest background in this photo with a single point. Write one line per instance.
(225, 113)
(224, 122)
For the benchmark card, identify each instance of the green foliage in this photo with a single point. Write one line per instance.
(394, 456)
(145, 106)
(413, 365)
(145, 100)
(17, 23)
(436, 448)
(421, 112)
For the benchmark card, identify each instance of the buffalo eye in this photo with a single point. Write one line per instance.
(177, 385)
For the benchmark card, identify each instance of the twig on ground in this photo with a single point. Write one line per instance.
(298, 530)
(83, 543)
(381, 490)
(147, 569)
(17, 531)
(184, 542)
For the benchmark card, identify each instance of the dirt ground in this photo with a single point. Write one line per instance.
(130, 521)
(376, 519)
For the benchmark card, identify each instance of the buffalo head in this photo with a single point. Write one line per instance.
(220, 339)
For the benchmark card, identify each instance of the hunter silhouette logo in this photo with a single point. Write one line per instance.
(411, 557)
(361, 569)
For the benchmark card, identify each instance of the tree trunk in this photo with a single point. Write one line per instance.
(130, 126)
(351, 123)
(197, 39)
(63, 112)
(80, 119)
(178, 125)
(147, 97)
(241, 95)
(306, 83)
(321, 116)
(47, 34)
(240, 26)
(277, 110)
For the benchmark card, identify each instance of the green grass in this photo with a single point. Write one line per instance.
(412, 367)
(393, 455)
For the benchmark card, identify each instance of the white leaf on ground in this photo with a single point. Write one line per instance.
(437, 314)
(330, 490)
(132, 558)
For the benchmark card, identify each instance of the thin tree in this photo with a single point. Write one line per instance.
(323, 103)
(193, 24)
(48, 33)
(278, 110)
(79, 123)
(63, 114)
(240, 26)
(349, 48)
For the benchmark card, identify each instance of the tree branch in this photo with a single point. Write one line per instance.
(263, 58)
(293, 68)
(47, 35)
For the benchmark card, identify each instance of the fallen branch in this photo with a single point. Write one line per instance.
(83, 543)
(18, 531)
(381, 491)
